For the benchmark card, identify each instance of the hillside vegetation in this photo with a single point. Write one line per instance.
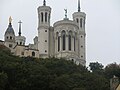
(50, 74)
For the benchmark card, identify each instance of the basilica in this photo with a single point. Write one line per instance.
(65, 39)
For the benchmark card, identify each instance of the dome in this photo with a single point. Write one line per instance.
(65, 22)
(9, 30)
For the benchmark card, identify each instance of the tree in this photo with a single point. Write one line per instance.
(96, 67)
(3, 80)
(48, 74)
(111, 70)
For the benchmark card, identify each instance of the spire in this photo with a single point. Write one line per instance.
(44, 3)
(79, 6)
(19, 28)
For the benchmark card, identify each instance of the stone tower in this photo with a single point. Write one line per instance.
(79, 17)
(9, 36)
(44, 13)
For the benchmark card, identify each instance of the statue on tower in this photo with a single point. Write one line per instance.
(65, 13)
(10, 19)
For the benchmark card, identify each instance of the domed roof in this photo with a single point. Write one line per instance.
(65, 22)
(9, 29)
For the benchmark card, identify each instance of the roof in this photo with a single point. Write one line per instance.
(10, 29)
(65, 22)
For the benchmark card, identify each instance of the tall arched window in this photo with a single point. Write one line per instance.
(42, 17)
(81, 21)
(63, 40)
(69, 40)
(58, 43)
(45, 16)
(74, 44)
(77, 20)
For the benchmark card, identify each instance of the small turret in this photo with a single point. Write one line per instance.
(9, 36)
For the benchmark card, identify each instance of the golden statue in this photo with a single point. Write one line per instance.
(10, 19)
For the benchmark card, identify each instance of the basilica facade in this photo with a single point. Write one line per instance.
(65, 39)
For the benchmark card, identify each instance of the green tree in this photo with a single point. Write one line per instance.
(96, 67)
(47, 74)
(3, 80)
(111, 70)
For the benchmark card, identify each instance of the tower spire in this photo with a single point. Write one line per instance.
(19, 28)
(79, 6)
(44, 3)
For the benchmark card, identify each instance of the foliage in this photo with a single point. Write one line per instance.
(95, 66)
(111, 70)
(29, 73)
(3, 80)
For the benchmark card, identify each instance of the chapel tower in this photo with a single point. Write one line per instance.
(79, 17)
(44, 13)
(9, 36)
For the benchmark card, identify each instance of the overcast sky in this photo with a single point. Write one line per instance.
(102, 23)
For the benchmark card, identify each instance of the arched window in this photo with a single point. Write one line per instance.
(74, 44)
(57, 35)
(45, 16)
(63, 40)
(81, 21)
(7, 37)
(77, 20)
(69, 40)
(33, 54)
(10, 37)
(42, 17)
(20, 43)
(58, 43)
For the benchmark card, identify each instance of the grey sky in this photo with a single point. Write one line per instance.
(102, 23)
